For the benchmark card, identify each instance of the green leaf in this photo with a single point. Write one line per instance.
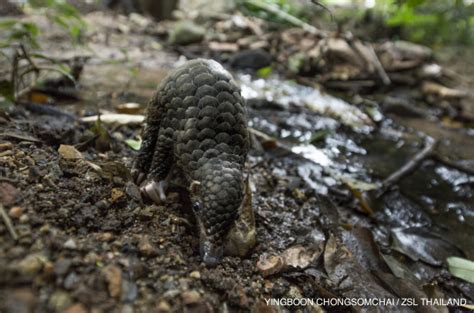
(461, 268)
(264, 72)
(319, 136)
(134, 144)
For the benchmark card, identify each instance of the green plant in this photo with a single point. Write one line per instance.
(289, 7)
(19, 48)
(432, 22)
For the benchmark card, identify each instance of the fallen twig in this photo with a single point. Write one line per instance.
(409, 167)
(8, 222)
(427, 153)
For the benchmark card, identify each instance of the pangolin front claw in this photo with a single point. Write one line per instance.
(155, 191)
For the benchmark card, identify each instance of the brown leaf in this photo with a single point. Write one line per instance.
(270, 265)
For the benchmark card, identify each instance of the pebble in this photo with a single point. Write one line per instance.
(129, 291)
(132, 190)
(191, 297)
(163, 307)
(146, 247)
(31, 264)
(107, 236)
(15, 212)
(71, 280)
(113, 276)
(70, 244)
(62, 266)
(186, 32)
(147, 213)
(59, 300)
(126, 308)
(24, 219)
(76, 308)
(195, 275)
(8, 194)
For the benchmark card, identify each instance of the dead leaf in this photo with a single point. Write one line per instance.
(270, 265)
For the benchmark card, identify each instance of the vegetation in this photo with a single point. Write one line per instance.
(20, 48)
(432, 22)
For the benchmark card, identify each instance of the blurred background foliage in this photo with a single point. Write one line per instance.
(60, 12)
(431, 22)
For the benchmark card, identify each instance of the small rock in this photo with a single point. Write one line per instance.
(129, 291)
(8, 194)
(250, 59)
(163, 307)
(191, 297)
(71, 280)
(19, 300)
(24, 219)
(70, 244)
(69, 152)
(126, 308)
(15, 212)
(113, 276)
(145, 247)
(59, 300)
(186, 32)
(271, 265)
(195, 275)
(76, 308)
(147, 213)
(48, 269)
(107, 236)
(133, 191)
(62, 266)
(31, 264)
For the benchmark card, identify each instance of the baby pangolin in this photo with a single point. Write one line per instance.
(196, 124)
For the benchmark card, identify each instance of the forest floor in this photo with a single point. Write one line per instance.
(88, 243)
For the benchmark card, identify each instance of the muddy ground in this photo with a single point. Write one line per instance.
(88, 243)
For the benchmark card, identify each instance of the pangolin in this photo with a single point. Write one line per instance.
(196, 122)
